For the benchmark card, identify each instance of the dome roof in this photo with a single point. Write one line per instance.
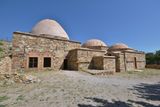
(50, 27)
(94, 42)
(119, 46)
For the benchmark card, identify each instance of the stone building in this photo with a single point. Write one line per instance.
(48, 47)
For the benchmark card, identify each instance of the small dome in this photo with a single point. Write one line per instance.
(119, 46)
(50, 27)
(94, 42)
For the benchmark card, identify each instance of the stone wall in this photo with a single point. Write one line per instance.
(135, 60)
(85, 57)
(127, 61)
(105, 48)
(82, 58)
(28, 45)
(72, 60)
(104, 63)
(122, 62)
(98, 62)
(109, 63)
(119, 61)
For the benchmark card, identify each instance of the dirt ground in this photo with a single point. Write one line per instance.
(79, 89)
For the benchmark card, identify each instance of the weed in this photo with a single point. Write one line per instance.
(3, 98)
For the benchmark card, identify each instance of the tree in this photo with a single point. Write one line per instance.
(157, 57)
(150, 58)
(153, 58)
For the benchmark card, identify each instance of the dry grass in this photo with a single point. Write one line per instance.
(140, 74)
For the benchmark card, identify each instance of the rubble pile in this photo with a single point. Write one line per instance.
(10, 78)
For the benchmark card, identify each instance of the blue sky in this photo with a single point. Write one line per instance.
(133, 22)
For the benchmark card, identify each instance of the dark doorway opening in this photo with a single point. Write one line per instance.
(65, 64)
(117, 64)
(47, 62)
(135, 62)
(33, 62)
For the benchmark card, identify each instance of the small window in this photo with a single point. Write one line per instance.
(47, 62)
(33, 62)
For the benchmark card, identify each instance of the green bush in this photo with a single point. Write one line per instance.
(1, 43)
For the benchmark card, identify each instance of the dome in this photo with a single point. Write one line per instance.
(50, 27)
(94, 42)
(119, 46)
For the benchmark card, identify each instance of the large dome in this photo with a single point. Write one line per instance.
(94, 42)
(119, 46)
(50, 27)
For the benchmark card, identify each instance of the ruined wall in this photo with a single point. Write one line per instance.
(135, 60)
(28, 45)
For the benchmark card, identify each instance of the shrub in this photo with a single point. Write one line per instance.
(1, 43)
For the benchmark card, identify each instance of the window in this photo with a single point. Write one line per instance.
(33, 62)
(47, 62)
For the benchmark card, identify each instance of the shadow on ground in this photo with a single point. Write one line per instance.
(145, 91)
(105, 103)
(148, 91)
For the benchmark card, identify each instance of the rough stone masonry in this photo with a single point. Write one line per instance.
(48, 47)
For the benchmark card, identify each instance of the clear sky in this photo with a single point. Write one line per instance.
(133, 22)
